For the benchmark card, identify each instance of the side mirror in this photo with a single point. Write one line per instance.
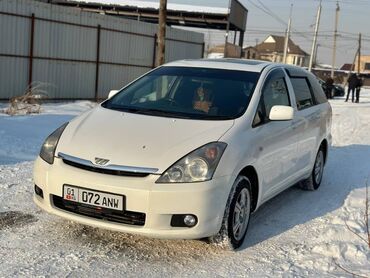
(112, 93)
(281, 113)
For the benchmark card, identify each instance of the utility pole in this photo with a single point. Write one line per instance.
(359, 54)
(315, 36)
(287, 35)
(227, 30)
(335, 40)
(161, 38)
(316, 51)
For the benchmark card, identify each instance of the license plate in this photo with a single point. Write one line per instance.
(92, 197)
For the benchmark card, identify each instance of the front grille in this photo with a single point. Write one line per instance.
(124, 217)
(104, 171)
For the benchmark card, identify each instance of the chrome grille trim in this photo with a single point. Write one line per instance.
(110, 167)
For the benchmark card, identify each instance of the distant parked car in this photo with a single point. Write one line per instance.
(189, 150)
(338, 89)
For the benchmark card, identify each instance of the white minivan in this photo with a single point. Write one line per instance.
(188, 150)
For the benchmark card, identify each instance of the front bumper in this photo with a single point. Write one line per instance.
(206, 200)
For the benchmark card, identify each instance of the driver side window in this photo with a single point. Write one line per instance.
(274, 92)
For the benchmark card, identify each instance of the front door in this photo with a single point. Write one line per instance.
(276, 141)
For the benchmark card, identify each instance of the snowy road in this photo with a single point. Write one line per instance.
(297, 234)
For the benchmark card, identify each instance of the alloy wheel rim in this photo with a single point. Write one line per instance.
(319, 166)
(241, 214)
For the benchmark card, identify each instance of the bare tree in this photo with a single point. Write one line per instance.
(364, 222)
(354, 275)
(366, 239)
(29, 102)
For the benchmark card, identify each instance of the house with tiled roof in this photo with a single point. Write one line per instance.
(272, 49)
(347, 67)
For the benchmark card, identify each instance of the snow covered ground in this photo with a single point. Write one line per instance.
(297, 234)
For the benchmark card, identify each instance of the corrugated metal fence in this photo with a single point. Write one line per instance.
(79, 55)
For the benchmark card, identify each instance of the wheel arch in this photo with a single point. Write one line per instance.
(325, 146)
(251, 173)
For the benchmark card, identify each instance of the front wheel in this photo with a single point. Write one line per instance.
(237, 214)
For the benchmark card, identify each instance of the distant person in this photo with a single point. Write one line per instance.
(329, 86)
(360, 83)
(352, 84)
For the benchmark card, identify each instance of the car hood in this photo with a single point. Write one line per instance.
(136, 140)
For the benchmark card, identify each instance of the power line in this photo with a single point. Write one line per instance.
(276, 17)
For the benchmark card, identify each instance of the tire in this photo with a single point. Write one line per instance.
(236, 217)
(314, 181)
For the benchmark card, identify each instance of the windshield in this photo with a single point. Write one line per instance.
(188, 92)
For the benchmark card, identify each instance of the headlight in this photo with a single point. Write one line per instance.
(47, 151)
(197, 166)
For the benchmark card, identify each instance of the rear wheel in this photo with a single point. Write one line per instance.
(237, 214)
(314, 181)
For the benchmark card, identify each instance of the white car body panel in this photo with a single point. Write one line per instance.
(157, 201)
(153, 142)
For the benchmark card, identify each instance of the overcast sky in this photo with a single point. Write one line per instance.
(354, 18)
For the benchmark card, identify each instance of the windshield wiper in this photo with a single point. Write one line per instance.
(158, 112)
(122, 108)
(163, 113)
(148, 111)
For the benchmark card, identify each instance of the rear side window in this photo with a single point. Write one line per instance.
(317, 90)
(302, 93)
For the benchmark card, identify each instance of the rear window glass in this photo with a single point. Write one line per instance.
(317, 90)
(302, 93)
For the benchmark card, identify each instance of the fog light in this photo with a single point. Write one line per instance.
(184, 220)
(39, 192)
(190, 220)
